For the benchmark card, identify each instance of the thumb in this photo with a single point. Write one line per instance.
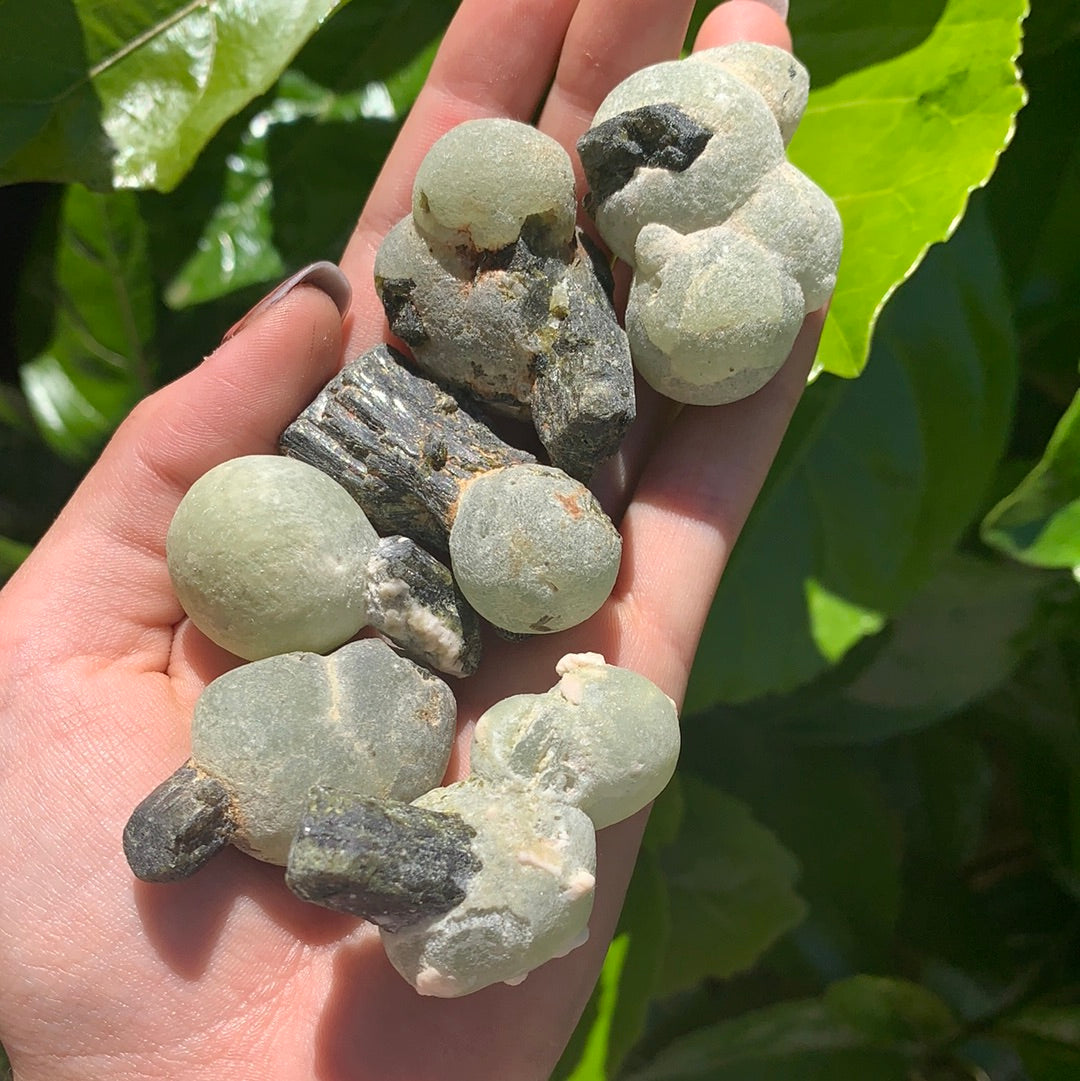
(99, 574)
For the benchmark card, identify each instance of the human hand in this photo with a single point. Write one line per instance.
(227, 975)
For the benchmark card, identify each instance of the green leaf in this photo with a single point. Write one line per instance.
(837, 39)
(960, 637)
(1060, 1024)
(237, 246)
(167, 73)
(1033, 718)
(1039, 522)
(949, 792)
(666, 817)
(12, 553)
(876, 478)
(865, 1027)
(891, 1010)
(837, 624)
(1035, 203)
(829, 809)
(378, 40)
(615, 1015)
(51, 127)
(920, 129)
(1048, 1040)
(730, 888)
(98, 363)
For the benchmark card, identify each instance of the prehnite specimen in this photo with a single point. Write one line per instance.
(530, 547)
(268, 555)
(731, 245)
(264, 734)
(486, 879)
(496, 293)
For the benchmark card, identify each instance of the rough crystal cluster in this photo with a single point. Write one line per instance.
(731, 245)
(506, 857)
(268, 555)
(265, 733)
(530, 547)
(496, 293)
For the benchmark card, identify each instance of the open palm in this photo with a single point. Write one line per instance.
(226, 975)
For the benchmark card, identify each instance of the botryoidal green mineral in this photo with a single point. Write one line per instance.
(263, 735)
(269, 555)
(603, 738)
(529, 902)
(731, 245)
(496, 293)
(530, 548)
(503, 862)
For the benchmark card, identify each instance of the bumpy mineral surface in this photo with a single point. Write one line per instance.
(530, 547)
(399, 443)
(266, 556)
(486, 879)
(269, 555)
(264, 734)
(528, 902)
(532, 551)
(494, 291)
(731, 245)
(603, 738)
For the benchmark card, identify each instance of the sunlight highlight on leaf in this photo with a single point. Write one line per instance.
(98, 363)
(1039, 522)
(837, 624)
(920, 131)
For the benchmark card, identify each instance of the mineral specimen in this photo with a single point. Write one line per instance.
(731, 245)
(485, 879)
(268, 555)
(603, 738)
(526, 881)
(265, 733)
(530, 548)
(395, 862)
(495, 292)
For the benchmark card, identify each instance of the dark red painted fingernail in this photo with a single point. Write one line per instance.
(323, 275)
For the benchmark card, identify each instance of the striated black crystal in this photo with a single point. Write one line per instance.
(385, 861)
(179, 826)
(654, 136)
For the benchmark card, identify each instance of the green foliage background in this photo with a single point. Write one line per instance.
(869, 864)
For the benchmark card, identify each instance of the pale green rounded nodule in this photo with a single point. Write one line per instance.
(268, 554)
(364, 720)
(528, 902)
(731, 245)
(486, 178)
(531, 549)
(604, 739)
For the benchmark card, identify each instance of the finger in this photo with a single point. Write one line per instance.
(689, 506)
(737, 20)
(496, 59)
(745, 20)
(105, 553)
(600, 51)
